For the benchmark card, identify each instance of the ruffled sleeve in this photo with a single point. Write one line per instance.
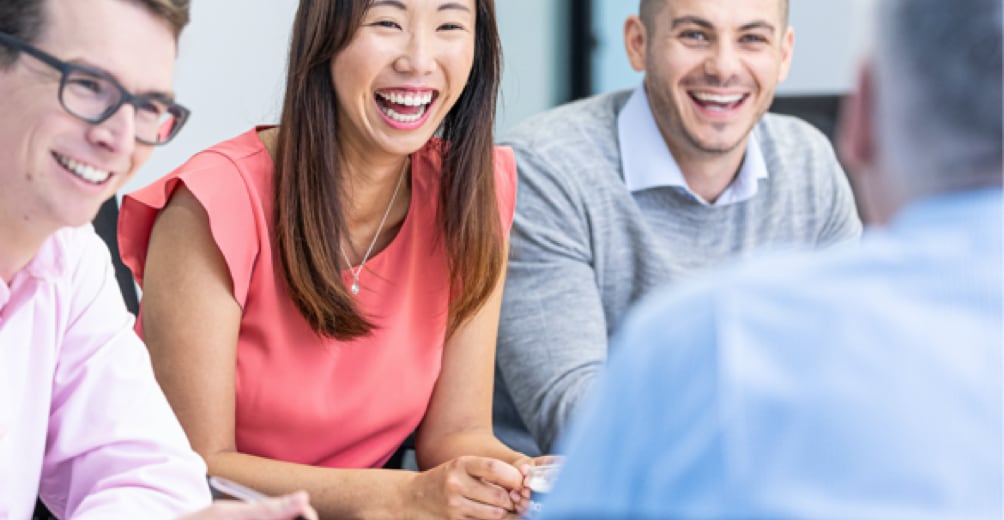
(220, 185)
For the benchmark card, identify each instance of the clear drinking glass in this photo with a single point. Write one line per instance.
(540, 480)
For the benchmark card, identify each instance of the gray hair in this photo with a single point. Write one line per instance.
(939, 71)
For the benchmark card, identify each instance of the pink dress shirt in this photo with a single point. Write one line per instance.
(82, 420)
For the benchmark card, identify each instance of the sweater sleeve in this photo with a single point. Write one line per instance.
(552, 333)
(841, 223)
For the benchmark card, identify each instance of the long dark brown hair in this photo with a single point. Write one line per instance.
(309, 183)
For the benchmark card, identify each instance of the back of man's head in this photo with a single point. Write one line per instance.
(25, 19)
(938, 71)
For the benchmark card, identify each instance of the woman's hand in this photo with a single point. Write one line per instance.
(521, 496)
(468, 487)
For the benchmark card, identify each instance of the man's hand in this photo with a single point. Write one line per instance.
(285, 507)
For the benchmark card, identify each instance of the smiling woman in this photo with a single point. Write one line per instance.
(341, 273)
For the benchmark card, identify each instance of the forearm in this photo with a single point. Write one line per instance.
(481, 443)
(334, 493)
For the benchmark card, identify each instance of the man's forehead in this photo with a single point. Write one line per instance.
(728, 12)
(119, 37)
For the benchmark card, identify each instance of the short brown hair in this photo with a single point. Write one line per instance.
(25, 19)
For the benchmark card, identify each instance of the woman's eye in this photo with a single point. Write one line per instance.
(387, 24)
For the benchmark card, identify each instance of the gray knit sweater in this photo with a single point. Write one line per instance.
(584, 248)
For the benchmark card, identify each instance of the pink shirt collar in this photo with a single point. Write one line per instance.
(48, 264)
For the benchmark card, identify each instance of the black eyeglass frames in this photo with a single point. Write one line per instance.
(94, 95)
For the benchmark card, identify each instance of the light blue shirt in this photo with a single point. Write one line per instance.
(647, 162)
(864, 382)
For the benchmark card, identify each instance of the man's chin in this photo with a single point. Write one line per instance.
(718, 146)
(720, 137)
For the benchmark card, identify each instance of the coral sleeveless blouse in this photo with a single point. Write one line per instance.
(300, 397)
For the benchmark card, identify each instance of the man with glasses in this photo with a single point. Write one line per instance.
(94, 95)
(85, 93)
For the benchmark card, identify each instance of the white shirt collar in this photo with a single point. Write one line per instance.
(648, 163)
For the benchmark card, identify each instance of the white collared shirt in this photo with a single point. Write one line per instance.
(648, 163)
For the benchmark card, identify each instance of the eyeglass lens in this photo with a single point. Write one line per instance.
(93, 98)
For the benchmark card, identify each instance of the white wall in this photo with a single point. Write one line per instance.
(232, 60)
(533, 34)
(829, 35)
(230, 73)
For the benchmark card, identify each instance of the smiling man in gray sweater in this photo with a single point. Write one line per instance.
(626, 191)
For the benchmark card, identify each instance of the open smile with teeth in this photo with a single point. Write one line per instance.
(718, 102)
(84, 171)
(405, 107)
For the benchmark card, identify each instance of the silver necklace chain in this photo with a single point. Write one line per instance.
(356, 271)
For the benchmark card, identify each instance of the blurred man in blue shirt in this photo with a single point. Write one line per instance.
(863, 382)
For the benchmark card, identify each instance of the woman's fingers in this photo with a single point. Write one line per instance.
(494, 471)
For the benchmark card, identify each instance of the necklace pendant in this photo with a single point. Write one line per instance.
(355, 286)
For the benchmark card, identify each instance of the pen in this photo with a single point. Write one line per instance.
(232, 489)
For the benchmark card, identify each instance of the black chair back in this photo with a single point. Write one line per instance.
(819, 111)
(106, 224)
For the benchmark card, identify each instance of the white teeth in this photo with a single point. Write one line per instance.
(410, 99)
(715, 98)
(404, 118)
(84, 171)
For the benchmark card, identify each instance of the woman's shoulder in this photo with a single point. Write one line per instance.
(239, 164)
(427, 167)
(505, 166)
(229, 180)
(431, 156)
(237, 151)
(505, 184)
